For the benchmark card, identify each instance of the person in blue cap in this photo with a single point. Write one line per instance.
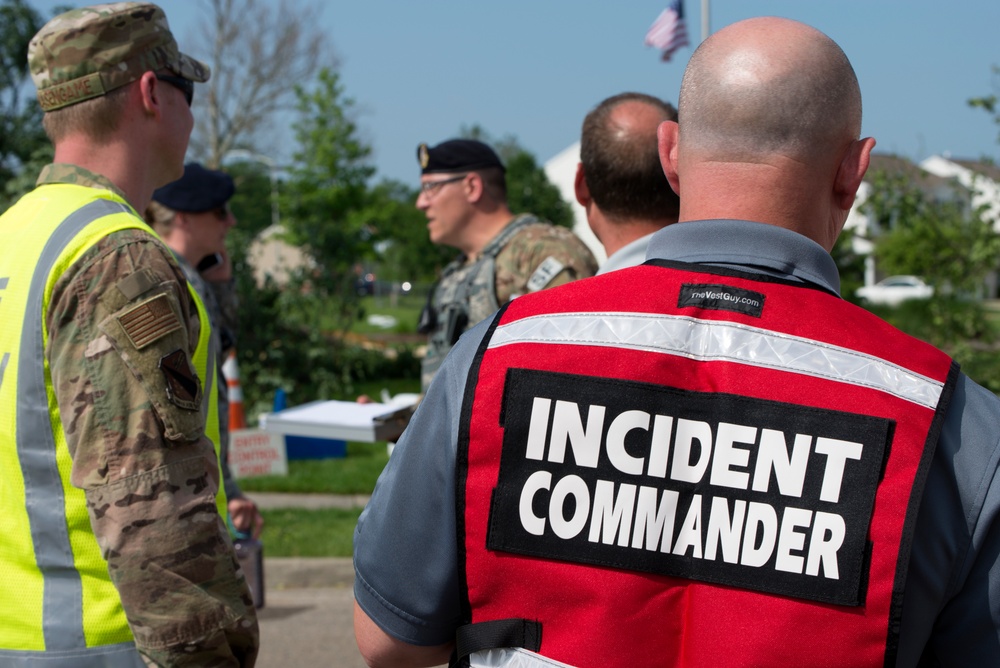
(193, 217)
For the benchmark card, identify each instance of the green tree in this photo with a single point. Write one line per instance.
(405, 251)
(327, 195)
(850, 264)
(988, 103)
(944, 241)
(23, 145)
(948, 244)
(287, 333)
(530, 191)
(252, 207)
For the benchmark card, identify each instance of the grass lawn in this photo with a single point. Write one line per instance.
(354, 474)
(296, 532)
(292, 532)
(405, 309)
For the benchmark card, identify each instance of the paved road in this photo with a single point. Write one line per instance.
(303, 628)
(307, 616)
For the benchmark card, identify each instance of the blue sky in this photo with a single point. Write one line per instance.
(419, 71)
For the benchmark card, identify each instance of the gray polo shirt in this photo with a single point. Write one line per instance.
(405, 550)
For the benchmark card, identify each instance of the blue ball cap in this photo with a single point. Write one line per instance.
(200, 189)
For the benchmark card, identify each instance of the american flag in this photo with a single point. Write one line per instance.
(668, 33)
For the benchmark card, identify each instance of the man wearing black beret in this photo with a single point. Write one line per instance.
(463, 192)
(192, 216)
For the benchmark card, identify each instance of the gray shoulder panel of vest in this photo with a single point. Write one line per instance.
(62, 606)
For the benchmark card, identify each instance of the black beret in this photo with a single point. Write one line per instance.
(456, 155)
(200, 189)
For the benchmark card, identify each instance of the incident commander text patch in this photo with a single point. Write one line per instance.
(751, 493)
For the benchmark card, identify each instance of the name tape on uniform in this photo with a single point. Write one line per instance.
(751, 493)
(544, 274)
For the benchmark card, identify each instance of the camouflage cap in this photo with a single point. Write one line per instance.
(91, 51)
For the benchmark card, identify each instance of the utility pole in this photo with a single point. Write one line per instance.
(706, 28)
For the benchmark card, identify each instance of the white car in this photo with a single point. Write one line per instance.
(894, 290)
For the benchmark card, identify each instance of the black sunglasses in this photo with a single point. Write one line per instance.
(184, 85)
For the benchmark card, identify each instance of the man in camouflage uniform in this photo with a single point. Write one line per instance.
(192, 216)
(463, 192)
(113, 541)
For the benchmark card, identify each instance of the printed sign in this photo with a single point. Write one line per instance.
(255, 452)
(719, 488)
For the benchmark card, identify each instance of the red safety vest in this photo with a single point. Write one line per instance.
(721, 469)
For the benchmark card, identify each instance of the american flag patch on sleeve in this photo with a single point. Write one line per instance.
(149, 321)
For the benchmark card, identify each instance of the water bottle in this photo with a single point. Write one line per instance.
(250, 554)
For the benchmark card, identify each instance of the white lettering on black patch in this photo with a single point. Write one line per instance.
(544, 274)
(756, 494)
(721, 298)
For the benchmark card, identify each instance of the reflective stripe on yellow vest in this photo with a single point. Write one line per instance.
(57, 596)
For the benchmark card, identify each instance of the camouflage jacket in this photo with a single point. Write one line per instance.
(219, 299)
(526, 256)
(150, 488)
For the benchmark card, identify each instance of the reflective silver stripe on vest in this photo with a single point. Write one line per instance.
(3, 366)
(6, 356)
(512, 658)
(122, 655)
(709, 340)
(62, 605)
(209, 375)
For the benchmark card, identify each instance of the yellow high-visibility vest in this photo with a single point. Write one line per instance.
(56, 596)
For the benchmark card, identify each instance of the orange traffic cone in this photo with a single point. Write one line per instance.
(230, 369)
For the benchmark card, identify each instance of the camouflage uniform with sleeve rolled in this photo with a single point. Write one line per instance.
(149, 471)
(137, 550)
(526, 256)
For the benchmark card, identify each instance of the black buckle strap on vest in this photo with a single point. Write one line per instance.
(498, 633)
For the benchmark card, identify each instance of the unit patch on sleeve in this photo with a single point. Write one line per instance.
(751, 493)
(721, 298)
(183, 387)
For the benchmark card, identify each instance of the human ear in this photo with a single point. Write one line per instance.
(149, 91)
(666, 139)
(580, 187)
(851, 172)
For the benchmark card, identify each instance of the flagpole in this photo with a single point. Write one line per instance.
(705, 15)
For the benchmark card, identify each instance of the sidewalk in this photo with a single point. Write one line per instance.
(271, 500)
(302, 572)
(308, 614)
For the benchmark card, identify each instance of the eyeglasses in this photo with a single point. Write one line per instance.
(429, 188)
(184, 85)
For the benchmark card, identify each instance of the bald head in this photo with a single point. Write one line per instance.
(768, 130)
(768, 87)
